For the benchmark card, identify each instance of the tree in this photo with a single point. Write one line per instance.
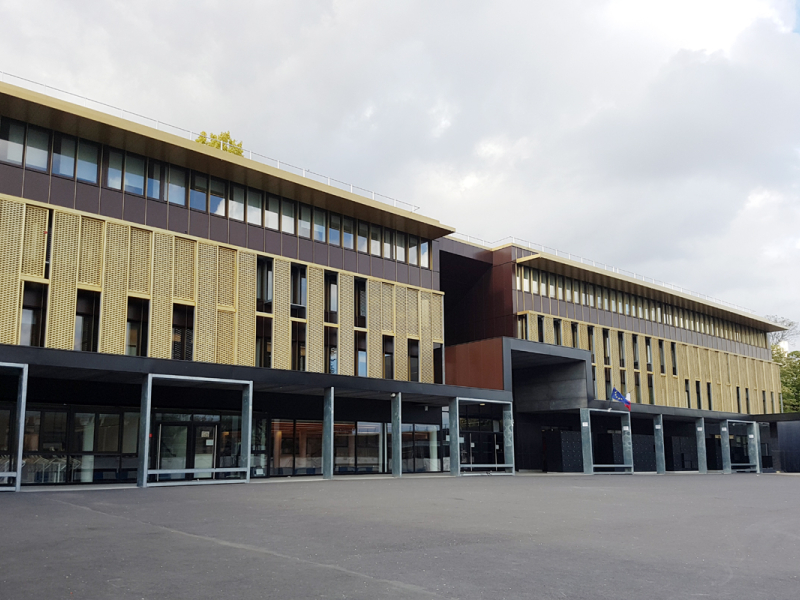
(791, 331)
(789, 363)
(223, 142)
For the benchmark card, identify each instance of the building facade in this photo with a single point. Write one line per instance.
(176, 314)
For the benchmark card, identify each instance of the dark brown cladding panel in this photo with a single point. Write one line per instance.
(475, 364)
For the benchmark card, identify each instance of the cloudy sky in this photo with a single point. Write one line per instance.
(660, 137)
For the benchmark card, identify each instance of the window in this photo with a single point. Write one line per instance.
(738, 400)
(606, 347)
(263, 342)
(374, 240)
(590, 332)
(388, 357)
(134, 175)
(331, 297)
(348, 232)
(255, 207)
(675, 360)
(622, 382)
(708, 397)
(609, 387)
(649, 350)
(413, 360)
(37, 149)
(575, 340)
(264, 283)
(621, 344)
(400, 247)
(568, 289)
(335, 230)
(651, 391)
(177, 186)
(424, 255)
(360, 290)
(523, 281)
(287, 216)
(331, 350)
(156, 176)
(236, 203)
(772, 400)
(613, 301)
(319, 225)
(688, 395)
(637, 387)
(635, 351)
(304, 221)
(361, 353)
(216, 196)
(299, 289)
(198, 192)
(522, 327)
(698, 395)
(34, 314)
(87, 318)
(552, 279)
(136, 331)
(413, 250)
(540, 328)
(438, 363)
(88, 161)
(661, 356)
(363, 234)
(12, 141)
(763, 399)
(272, 214)
(557, 338)
(64, 148)
(113, 169)
(298, 346)
(388, 243)
(182, 332)
(590, 294)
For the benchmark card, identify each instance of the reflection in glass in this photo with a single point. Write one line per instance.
(64, 155)
(217, 197)
(370, 445)
(134, 175)
(177, 186)
(156, 175)
(114, 169)
(304, 222)
(88, 161)
(254, 207)
(344, 447)
(287, 216)
(282, 447)
(108, 433)
(236, 205)
(347, 233)
(37, 148)
(172, 449)
(308, 459)
(319, 225)
(198, 192)
(12, 138)
(334, 230)
(130, 432)
(272, 215)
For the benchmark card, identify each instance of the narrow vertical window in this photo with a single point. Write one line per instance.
(609, 386)
(88, 162)
(388, 357)
(623, 382)
(264, 284)
(661, 357)
(361, 353)
(198, 192)
(763, 399)
(263, 342)
(606, 347)
(738, 400)
(348, 233)
(675, 360)
(37, 149)
(523, 278)
(575, 340)
(438, 363)
(331, 297)
(334, 230)
(287, 216)
(136, 331)
(413, 360)
(360, 293)
(621, 344)
(272, 213)
(688, 395)
(304, 221)
(34, 314)
(698, 395)
(651, 390)
(331, 350)
(134, 174)
(649, 351)
(522, 327)
(535, 281)
(540, 328)
(635, 351)
(709, 398)
(182, 332)
(638, 387)
(388, 243)
(156, 177)
(255, 207)
(236, 203)
(557, 337)
(87, 319)
(374, 240)
(12, 141)
(413, 250)
(298, 346)
(216, 196)
(424, 254)
(113, 161)
(363, 237)
(400, 247)
(590, 332)
(552, 279)
(177, 186)
(64, 150)
(299, 291)
(319, 225)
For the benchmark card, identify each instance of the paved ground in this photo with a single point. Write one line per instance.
(642, 537)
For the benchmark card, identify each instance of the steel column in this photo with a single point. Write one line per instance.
(455, 436)
(22, 399)
(627, 441)
(754, 445)
(144, 431)
(508, 438)
(725, 442)
(586, 441)
(247, 427)
(702, 459)
(327, 434)
(397, 435)
(658, 434)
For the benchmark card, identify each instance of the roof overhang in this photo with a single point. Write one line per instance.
(72, 119)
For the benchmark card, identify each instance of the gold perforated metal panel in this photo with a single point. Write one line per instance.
(139, 275)
(374, 337)
(205, 329)
(566, 333)
(400, 338)
(549, 331)
(437, 318)
(598, 356)
(63, 279)
(346, 321)
(412, 312)
(183, 286)
(533, 332)
(282, 327)
(226, 336)
(114, 298)
(246, 311)
(387, 307)
(226, 277)
(583, 336)
(615, 377)
(34, 251)
(161, 299)
(11, 218)
(315, 342)
(425, 340)
(90, 269)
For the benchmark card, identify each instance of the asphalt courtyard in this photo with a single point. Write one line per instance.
(674, 536)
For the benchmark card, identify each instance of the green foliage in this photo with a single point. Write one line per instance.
(790, 377)
(223, 142)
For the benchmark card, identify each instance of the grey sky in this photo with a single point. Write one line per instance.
(661, 137)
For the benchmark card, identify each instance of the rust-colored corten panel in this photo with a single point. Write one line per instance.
(475, 364)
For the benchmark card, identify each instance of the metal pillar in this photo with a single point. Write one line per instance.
(247, 428)
(754, 445)
(397, 435)
(19, 433)
(586, 441)
(327, 434)
(627, 441)
(725, 442)
(455, 439)
(144, 431)
(658, 434)
(702, 459)
(508, 438)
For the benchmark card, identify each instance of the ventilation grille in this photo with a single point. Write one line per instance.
(184, 269)
(387, 307)
(282, 331)
(139, 279)
(425, 340)
(11, 215)
(400, 338)
(205, 346)
(161, 304)
(374, 338)
(90, 271)
(226, 335)
(64, 273)
(246, 313)
(226, 279)
(346, 321)
(114, 311)
(315, 344)
(34, 251)
(412, 318)
(437, 317)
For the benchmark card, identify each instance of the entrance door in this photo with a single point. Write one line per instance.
(205, 449)
(172, 449)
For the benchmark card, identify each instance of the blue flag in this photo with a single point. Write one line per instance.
(616, 396)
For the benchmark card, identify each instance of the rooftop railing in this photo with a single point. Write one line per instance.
(193, 135)
(593, 263)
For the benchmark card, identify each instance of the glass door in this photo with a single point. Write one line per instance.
(259, 447)
(205, 449)
(172, 449)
